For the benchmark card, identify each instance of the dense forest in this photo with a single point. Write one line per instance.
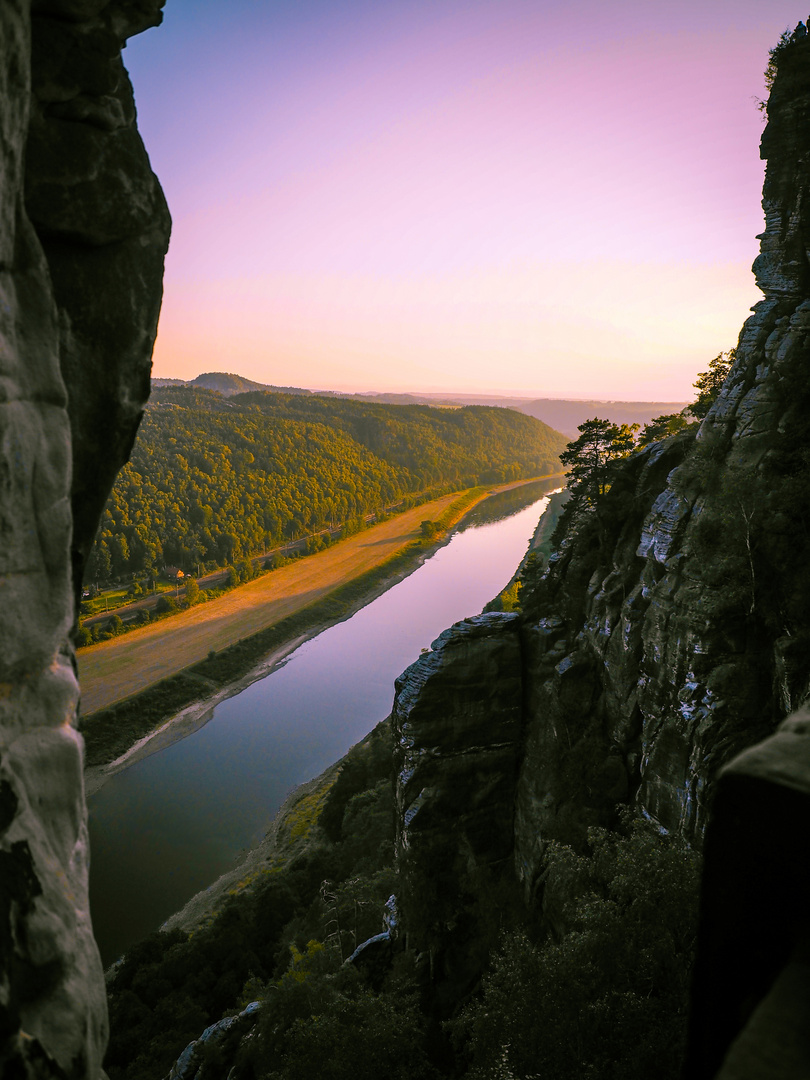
(213, 479)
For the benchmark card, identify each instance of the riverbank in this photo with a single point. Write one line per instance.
(173, 707)
(185, 722)
(289, 836)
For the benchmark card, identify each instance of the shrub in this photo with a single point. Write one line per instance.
(275, 561)
(609, 998)
(165, 604)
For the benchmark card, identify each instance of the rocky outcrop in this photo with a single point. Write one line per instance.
(457, 727)
(83, 230)
(680, 612)
(668, 632)
(202, 1058)
(104, 227)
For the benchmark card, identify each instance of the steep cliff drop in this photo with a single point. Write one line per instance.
(671, 629)
(83, 232)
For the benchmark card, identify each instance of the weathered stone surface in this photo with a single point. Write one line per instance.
(104, 226)
(456, 722)
(78, 306)
(690, 668)
(225, 1035)
(52, 1004)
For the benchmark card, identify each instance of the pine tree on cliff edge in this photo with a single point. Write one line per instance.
(590, 458)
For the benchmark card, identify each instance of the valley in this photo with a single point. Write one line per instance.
(405, 799)
(117, 669)
(176, 819)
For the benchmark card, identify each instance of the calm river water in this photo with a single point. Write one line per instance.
(171, 824)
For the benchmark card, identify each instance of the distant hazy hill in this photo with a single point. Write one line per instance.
(227, 384)
(213, 479)
(235, 384)
(566, 416)
(562, 414)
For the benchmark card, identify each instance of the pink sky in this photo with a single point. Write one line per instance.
(508, 196)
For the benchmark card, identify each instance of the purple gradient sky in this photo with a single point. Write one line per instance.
(513, 196)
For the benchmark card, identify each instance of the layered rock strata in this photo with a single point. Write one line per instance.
(83, 230)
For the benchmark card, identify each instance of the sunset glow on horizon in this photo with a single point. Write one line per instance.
(501, 196)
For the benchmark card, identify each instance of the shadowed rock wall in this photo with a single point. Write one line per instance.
(104, 226)
(83, 231)
(680, 636)
(751, 987)
(671, 629)
(457, 727)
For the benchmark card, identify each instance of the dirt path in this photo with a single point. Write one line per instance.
(116, 669)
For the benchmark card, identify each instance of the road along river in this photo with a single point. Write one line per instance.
(170, 824)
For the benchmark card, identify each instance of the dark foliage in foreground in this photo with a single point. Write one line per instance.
(170, 987)
(605, 997)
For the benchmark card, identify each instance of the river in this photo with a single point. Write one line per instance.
(174, 822)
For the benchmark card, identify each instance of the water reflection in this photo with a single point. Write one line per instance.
(506, 503)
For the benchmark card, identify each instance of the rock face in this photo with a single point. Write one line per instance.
(457, 729)
(104, 227)
(224, 1035)
(670, 630)
(83, 231)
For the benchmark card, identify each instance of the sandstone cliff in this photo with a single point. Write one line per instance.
(669, 631)
(83, 232)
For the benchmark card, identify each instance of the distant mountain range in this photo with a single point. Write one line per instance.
(562, 414)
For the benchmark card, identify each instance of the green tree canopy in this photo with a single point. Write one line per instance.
(215, 481)
(709, 383)
(590, 457)
(661, 427)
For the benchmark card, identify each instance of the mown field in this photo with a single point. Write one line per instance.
(116, 669)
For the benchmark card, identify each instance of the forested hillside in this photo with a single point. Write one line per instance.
(212, 480)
